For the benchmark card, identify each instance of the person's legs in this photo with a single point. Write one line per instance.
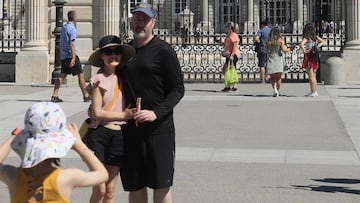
(234, 86)
(82, 85)
(162, 195)
(312, 80)
(111, 183)
(226, 89)
(139, 196)
(273, 80)
(262, 74)
(261, 64)
(58, 82)
(98, 193)
(278, 81)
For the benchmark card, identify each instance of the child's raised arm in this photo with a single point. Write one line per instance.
(97, 173)
(5, 149)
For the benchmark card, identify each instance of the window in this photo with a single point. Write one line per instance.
(133, 3)
(180, 5)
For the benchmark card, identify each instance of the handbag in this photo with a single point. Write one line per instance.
(85, 124)
(84, 127)
(257, 46)
(231, 76)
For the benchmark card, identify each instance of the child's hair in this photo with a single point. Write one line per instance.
(274, 36)
(309, 32)
(55, 161)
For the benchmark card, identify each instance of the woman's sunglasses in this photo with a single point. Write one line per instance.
(109, 51)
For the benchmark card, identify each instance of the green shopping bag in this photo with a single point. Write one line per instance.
(231, 75)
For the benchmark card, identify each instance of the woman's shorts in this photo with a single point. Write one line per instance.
(308, 62)
(107, 144)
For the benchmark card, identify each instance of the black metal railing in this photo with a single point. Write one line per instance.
(198, 41)
(12, 25)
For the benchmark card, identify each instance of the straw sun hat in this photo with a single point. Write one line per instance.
(127, 51)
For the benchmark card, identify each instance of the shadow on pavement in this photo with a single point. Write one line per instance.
(354, 97)
(338, 180)
(324, 188)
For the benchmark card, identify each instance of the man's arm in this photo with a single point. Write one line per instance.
(174, 83)
(73, 55)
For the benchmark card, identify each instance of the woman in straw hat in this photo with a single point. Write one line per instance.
(44, 140)
(107, 112)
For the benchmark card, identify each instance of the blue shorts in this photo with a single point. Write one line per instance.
(262, 59)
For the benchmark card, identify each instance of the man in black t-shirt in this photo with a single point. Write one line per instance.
(154, 75)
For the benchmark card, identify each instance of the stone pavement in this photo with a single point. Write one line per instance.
(243, 146)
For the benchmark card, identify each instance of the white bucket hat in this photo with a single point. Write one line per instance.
(44, 135)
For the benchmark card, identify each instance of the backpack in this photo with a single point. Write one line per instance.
(315, 52)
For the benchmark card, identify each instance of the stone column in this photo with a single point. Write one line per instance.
(32, 62)
(204, 25)
(109, 17)
(298, 24)
(205, 11)
(250, 25)
(352, 46)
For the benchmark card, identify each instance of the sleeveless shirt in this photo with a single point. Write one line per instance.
(45, 189)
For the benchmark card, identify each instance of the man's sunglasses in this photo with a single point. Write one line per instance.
(109, 51)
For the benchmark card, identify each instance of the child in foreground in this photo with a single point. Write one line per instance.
(44, 140)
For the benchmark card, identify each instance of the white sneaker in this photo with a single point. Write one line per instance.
(312, 94)
(276, 94)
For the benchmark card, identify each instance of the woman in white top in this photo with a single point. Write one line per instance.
(310, 63)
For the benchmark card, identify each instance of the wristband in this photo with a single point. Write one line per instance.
(15, 132)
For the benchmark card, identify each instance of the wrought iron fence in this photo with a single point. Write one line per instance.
(195, 31)
(200, 57)
(12, 25)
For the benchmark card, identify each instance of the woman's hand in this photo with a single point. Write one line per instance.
(129, 112)
(225, 54)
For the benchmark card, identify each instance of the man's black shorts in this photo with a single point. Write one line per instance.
(148, 160)
(75, 70)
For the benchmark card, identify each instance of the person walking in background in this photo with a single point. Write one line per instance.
(108, 112)
(44, 140)
(310, 39)
(70, 62)
(155, 76)
(261, 37)
(231, 49)
(275, 46)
